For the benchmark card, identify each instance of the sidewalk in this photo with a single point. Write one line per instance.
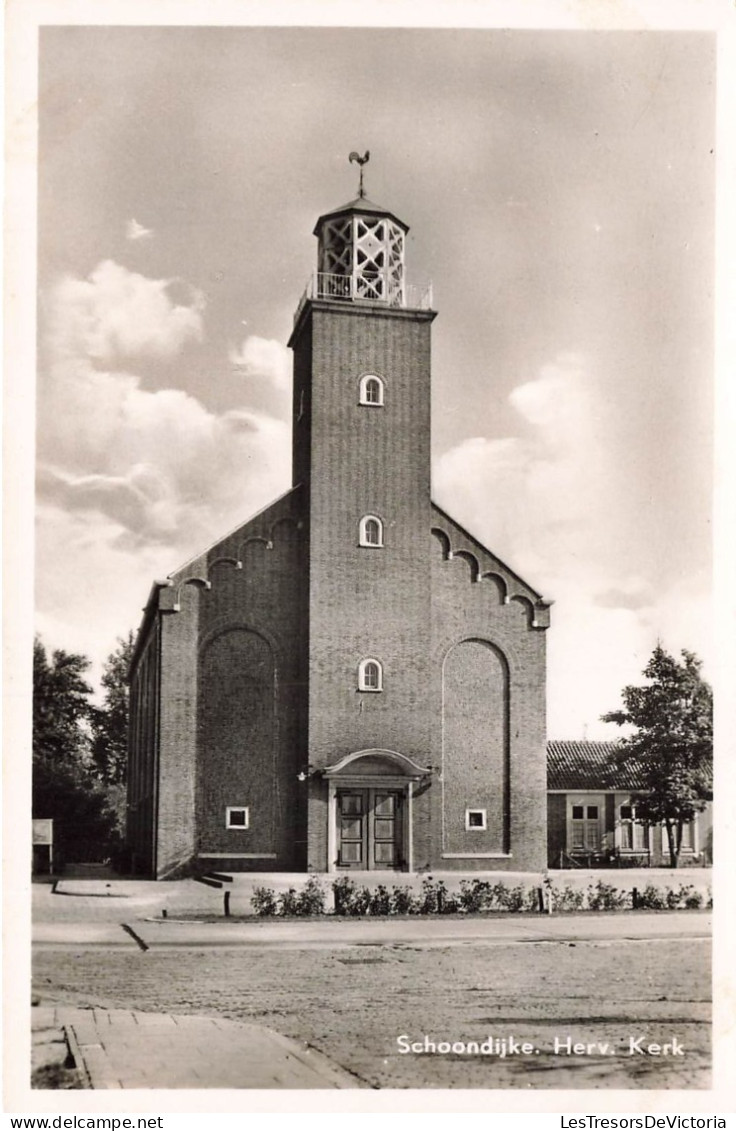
(121, 1048)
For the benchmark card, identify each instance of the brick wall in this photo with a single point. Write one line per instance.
(500, 611)
(365, 602)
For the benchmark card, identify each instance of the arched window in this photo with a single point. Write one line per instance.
(371, 390)
(370, 676)
(371, 531)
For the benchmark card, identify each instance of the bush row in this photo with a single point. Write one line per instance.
(474, 897)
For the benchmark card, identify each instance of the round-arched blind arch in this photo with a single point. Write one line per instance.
(236, 732)
(475, 750)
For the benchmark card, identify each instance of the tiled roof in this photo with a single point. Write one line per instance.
(579, 764)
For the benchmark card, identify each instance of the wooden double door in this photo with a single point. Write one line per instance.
(369, 828)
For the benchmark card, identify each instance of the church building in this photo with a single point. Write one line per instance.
(349, 680)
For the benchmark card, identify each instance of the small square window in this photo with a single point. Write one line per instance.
(237, 817)
(475, 819)
(578, 812)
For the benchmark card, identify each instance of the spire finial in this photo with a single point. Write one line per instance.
(360, 161)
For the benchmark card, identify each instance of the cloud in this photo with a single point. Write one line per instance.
(135, 231)
(132, 482)
(263, 358)
(116, 314)
(552, 501)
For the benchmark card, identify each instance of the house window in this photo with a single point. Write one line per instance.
(370, 676)
(475, 819)
(688, 840)
(632, 832)
(371, 390)
(236, 817)
(371, 531)
(585, 828)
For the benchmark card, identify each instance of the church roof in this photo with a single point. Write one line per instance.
(360, 204)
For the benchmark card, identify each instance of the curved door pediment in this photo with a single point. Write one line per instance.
(377, 763)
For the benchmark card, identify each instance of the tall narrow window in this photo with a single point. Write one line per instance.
(371, 390)
(371, 531)
(585, 828)
(370, 676)
(632, 831)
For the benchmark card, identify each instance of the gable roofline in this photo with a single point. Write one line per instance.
(476, 542)
(238, 526)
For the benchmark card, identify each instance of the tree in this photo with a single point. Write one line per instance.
(110, 724)
(670, 755)
(61, 708)
(64, 787)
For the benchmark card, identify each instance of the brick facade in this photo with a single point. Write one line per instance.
(259, 642)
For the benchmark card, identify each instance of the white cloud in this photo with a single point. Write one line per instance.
(264, 358)
(553, 503)
(117, 314)
(135, 231)
(131, 482)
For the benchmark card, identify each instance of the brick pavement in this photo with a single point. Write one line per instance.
(122, 1048)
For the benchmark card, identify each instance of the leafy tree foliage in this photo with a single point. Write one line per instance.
(670, 753)
(64, 785)
(110, 725)
(61, 709)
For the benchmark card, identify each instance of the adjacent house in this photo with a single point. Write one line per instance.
(590, 821)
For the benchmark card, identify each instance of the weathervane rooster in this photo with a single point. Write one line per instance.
(361, 161)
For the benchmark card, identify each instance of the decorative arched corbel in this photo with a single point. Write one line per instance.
(500, 582)
(200, 582)
(526, 604)
(234, 562)
(444, 542)
(471, 560)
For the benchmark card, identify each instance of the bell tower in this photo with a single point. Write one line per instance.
(361, 453)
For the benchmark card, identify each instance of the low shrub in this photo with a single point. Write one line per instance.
(263, 901)
(288, 902)
(349, 898)
(403, 901)
(508, 899)
(475, 896)
(606, 897)
(311, 899)
(343, 890)
(567, 898)
(651, 898)
(380, 901)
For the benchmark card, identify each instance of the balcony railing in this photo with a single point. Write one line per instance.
(376, 288)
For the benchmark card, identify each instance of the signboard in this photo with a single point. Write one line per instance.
(43, 831)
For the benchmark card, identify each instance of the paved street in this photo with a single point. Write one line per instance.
(152, 994)
(415, 931)
(123, 1048)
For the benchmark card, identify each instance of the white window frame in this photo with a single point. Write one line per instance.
(470, 828)
(237, 809)
(363, 390)
(363, 539)
(585, 799)
(637, 828)
(362, 666)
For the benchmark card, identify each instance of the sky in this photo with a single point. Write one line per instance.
(559, 188)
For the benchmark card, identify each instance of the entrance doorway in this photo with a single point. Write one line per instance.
(369, 828)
